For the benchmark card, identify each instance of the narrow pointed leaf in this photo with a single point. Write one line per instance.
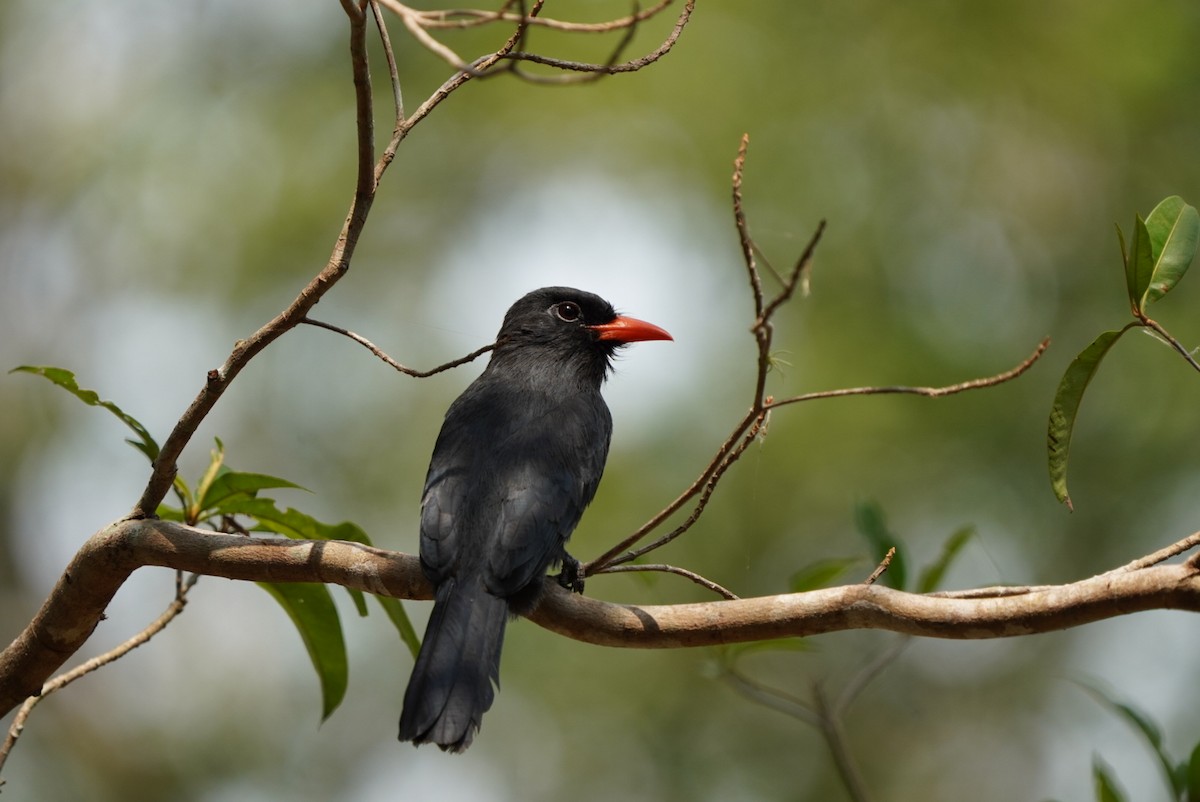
(1141, 262)
(1066, 407)
(168, 513)
(312, 611)
(1130, 277)
(1106, 787)
(1146, 727)
(66, 380)
(216, 466)
(399, 617)
(1174, 232)
(1192, 776)
(290, 522)
(821, 573)
(733, 652)
(227, 484)
(931, 577)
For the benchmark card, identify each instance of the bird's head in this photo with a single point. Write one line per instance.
(565, 327)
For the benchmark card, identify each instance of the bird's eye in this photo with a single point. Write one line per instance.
(568, 311)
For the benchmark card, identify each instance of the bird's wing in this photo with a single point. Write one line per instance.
(456, 487)
(508, 481)
(544, 486)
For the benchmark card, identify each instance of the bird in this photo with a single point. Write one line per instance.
(518, 458)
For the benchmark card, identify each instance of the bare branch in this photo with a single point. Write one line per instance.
(832, 729)
(163, 473)
(379, 352)
(928, 392)
(1169, 340)
(883, 566)
(752, 425)
(415, 24)
(473, 18)
(673, 569)
(705, 485)
(774, 698)
(577, 78)
(390, 55)
(99, 661)
(76, 605)
(1187, 544)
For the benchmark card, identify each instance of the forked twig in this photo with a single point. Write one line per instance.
(752, 424)
(99, 661)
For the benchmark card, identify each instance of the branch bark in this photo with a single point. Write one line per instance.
(76, 605)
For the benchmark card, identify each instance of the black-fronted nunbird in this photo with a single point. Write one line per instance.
(518, 458)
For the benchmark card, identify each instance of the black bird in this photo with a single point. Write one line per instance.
(519, 456)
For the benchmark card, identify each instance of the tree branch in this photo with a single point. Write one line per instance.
(77, 603)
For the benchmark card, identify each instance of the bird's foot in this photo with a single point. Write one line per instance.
(571, 576)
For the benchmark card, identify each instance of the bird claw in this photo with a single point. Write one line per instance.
(571, 576)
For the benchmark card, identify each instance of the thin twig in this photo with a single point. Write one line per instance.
(66, 678)
(476, 68)
(750, 426)
(379, 352)
(716, 470)
(883, 566)
(217, 380)
(578, 78)
(1162, 555)
(472, 18)
(390, 55)
(774, 698)
(928, 392)
(1165, 335)
(613, 69)
(865, 675)
(415, 26)
(831, 728)
(673, 569)
(743, 229)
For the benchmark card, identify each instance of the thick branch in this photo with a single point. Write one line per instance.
(77, 603)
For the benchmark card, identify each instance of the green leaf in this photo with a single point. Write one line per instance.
(1192, 776)
(871, 524)
(312, 610)
(1139, 263)
(1145, 727)
(216, 466)
(168, 513)
(1174, 233)
(821, 573)
(66, 380)
(399, 617)
(290, 522)
(932, 576)
(1066, 407)
(227, 484)
(731, 653)
(1130, 278)
(1107, 789)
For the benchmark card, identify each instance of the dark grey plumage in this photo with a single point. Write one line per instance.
(519, 457)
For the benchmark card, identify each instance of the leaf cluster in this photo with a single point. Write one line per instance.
(227, 500)
(1156, 257)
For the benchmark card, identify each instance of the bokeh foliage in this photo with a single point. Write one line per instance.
(171, 173)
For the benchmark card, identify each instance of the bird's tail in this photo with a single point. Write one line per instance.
(451, 684)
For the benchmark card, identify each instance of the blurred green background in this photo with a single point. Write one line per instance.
(172, 173)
